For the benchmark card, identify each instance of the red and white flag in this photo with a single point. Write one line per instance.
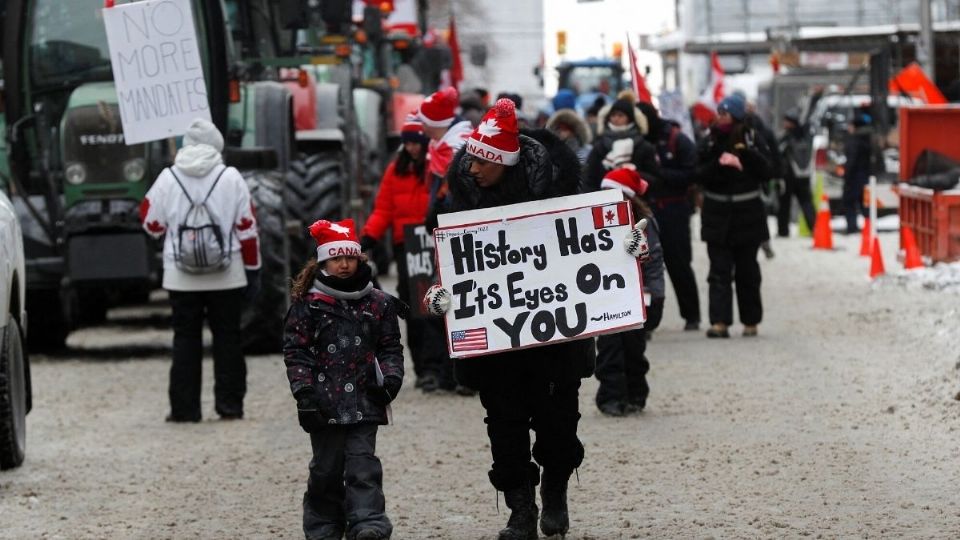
(714, 93)
(639, 82)
(611, 215)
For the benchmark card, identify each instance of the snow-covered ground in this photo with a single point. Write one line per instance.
(838, 421)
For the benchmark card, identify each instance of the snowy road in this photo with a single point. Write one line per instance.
(838, 421)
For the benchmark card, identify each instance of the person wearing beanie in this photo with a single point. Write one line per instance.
(732, 171)
(344, 362)
(565, 99)
(214, 283)
(621, 141)
(622, 364)
(403, 199)
(572, 130)
(523, 389)
(673, 206)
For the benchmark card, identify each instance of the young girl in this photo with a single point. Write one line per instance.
(344, 360)
(622, 364)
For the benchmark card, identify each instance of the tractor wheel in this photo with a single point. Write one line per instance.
(262, 320)
(13, 397)
(314, 191)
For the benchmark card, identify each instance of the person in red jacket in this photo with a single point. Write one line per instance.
(402, 200)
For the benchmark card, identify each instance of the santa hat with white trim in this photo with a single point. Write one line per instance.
(497, 138)
(440, 108)
(627, 180)
(335, 239)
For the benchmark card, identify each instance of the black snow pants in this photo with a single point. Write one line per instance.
(799, 188)
(674, 221)
(729, 264)
(425, 335)
(345, 489)
(527, 399)
(222, 310)
(622, 363)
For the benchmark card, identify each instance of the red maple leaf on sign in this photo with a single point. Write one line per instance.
(609, 216)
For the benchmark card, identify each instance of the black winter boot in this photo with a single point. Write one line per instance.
(522, 524)
(553, 493)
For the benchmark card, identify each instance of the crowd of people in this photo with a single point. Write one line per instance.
(342, 336)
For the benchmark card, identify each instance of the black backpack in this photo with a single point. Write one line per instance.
(199, 247)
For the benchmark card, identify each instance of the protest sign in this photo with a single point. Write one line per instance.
(538, 273)
(418, 247)
(156, 68)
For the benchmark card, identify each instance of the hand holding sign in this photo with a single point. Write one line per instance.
(635, 242)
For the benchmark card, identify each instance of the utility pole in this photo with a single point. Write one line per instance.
(925, 50)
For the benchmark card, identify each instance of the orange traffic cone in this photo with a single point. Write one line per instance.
(822, 234)
(876, 260)
(912, 258)
(865, 234)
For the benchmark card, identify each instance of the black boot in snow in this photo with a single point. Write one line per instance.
(522, 524)
(555, 520)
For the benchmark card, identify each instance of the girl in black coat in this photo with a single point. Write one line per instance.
(341, 346)
(732, 172)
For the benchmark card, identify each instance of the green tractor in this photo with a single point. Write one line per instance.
(78, 185)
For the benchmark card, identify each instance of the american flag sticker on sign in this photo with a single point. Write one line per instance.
(611, 215)
(474, 339)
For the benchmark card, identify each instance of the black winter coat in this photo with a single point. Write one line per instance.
(857, 150)
(644, 157)
(547, 168)
(732, 223)
(678, 161)
(333, 346)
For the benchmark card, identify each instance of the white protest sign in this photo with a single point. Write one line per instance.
(538, 273)
(156, 68)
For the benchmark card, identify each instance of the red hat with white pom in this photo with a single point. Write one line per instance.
(440, 108)
(626, 180)
(335, 239)
(497, 138)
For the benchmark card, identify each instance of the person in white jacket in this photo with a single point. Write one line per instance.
(221, 293)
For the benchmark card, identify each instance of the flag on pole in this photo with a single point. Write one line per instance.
(639, 82)
(456, 67)
(714, 93)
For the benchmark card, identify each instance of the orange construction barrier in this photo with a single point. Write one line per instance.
(822, 234)
(912, 258)
(876, 260)
(865, 239)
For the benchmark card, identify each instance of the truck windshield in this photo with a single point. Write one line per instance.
(68, 42)
(583, 79)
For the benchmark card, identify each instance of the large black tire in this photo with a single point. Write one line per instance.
(314, 191)
(13, 398)
(262, 320)
(48, 315)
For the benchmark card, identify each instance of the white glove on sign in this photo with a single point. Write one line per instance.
(437, 300)
(635, 242)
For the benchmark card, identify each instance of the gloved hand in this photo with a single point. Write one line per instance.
(730, 160)
(437, 300)
(308, 411)
(253, 285)
(383, 395)
(635, 242)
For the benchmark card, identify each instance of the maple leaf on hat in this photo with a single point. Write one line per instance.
(336, 227)
(488, 128)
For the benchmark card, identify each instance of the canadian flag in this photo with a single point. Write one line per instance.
(611, 215)
(714, 93)
(637, 80)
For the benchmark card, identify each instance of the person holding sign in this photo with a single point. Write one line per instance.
(534, 388)
(732, 171)
(622, 364)
(341, 346)
(402, 200)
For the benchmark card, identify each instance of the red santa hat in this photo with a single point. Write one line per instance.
(440, 108)
(335, 239)
(625, 179)
(497, 138)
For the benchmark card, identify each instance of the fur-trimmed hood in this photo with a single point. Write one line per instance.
(638, 117)
(572, 119)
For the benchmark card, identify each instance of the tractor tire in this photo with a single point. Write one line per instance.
(262, 320)
(47, 314)
(13, 398)
(314, 191)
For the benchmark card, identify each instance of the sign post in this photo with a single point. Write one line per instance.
(156, 68)
(539, 273)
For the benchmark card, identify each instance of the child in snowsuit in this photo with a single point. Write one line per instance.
(622, 365)
(341, 346)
